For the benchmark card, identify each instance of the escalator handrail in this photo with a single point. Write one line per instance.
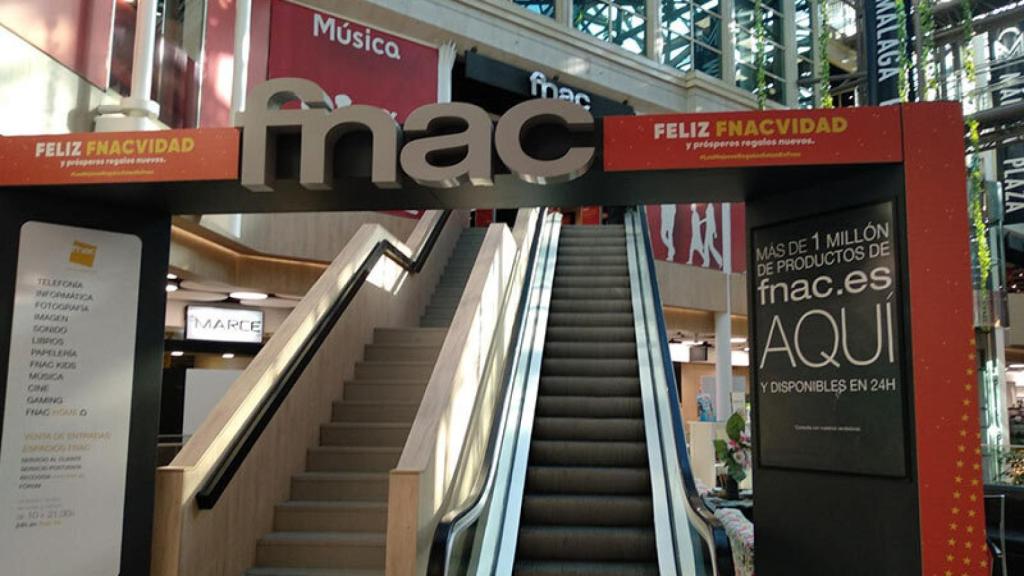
(454, 521)
(224, 471)
(723, 551)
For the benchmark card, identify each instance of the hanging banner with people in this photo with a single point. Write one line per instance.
(693, 234)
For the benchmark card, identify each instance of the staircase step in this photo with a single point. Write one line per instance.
(579, 306)
(393, 370)
(350, 411)
(614, 320)
(595, 386)
(587, 480)
(435, 322)
(364, 434)
(589, 429)
(576, 510)
(352, 458)
(587, 407)
(401, 353)
(585, 569)
(359, 550)
(340, 486)
(319, 516)
(409, 336)
(586, 543)
(589, 366)
(604, 350)
(590, 334)
(575, 453)
(385, 390)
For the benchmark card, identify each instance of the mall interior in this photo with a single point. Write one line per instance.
(444, 287)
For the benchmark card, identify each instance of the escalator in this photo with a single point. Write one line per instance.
(585, 470)
(587, 502)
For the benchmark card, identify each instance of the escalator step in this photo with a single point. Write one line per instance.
(588, 251)
(584, 569)
(593, 293)
(573, 241)
(586, 543)
(592, 429)
(590, 281)
(593, 260)
(587, 480)
(589, 367)
(591, 334)
(575, 453)
(589, 386)
(578, 306)
(561, 509)
(591, 270)
(607, 350)
(617, 320)
(587, 407)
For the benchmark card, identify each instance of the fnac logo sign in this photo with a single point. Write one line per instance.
(431, 131)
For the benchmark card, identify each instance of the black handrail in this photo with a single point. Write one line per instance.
(226, 468)
(448, 526)
(723, 551)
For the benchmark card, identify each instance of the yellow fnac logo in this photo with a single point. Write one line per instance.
(82, 254)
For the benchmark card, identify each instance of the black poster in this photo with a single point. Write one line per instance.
(827, 313)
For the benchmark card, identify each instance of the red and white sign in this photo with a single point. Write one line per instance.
(693, 234)
(739, 139)
(115, 157)
(353, 63)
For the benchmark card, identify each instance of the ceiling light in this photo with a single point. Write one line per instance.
(227, 355)
(172, 276)
(245, 295)
(737, 340)
(171, 287)
(1016, 366)
(177, 353)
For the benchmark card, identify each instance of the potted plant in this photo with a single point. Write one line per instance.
(734, 452)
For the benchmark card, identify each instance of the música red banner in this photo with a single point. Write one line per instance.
(739, 139)
(353, 63)
(114, 157)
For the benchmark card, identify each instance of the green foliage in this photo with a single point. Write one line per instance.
(759, 42)
(903, 78)
(825, 69)
(926, 17)
(735, 452)
(976, 180)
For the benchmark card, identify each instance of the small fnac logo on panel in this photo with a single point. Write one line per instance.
(83, 254)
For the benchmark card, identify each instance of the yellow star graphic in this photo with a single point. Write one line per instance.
(953, 525)
(964, 417)
(970, 371)
(976, 466)
(956, 494)
(970, 513)
(963, 432)
(955, 510)
(949, 557)
(967, 561)
(951, 542)
(974, 497)
(967, 402)
(958, 479)
(961, 448)
(983, 563)
(968, 545)
(970, 529)
(974, 481)
(959, 463)
(968, 387)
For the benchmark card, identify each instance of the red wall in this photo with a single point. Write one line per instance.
(219, 57)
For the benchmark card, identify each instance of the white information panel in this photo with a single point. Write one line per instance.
(64, 449)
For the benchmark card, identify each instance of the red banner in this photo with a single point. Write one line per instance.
(739, 139)
(693, 234)
(353, 63)
(114, 157)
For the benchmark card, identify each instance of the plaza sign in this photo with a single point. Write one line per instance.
(429, 130)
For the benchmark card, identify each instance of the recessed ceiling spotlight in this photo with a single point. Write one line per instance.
(227, 355)
(171, 287)
(1016, 366)
(246, 295)
(172, 276)
(177, 353)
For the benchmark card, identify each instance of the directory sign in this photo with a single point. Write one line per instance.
(67, 407)
(827, 343)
